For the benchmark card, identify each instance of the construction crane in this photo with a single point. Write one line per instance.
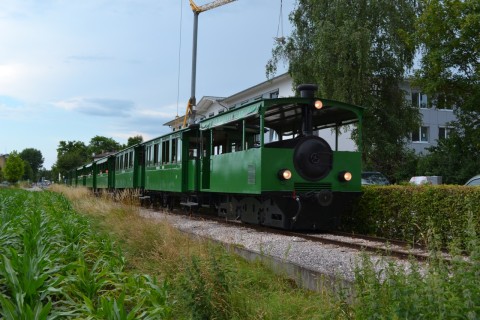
(190, 112)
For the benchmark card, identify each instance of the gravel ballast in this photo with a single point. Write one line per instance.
(310, 264)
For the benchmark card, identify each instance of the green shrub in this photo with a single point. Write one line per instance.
(417, 213)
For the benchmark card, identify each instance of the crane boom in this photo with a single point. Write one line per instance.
(208, 6)
(190, 112)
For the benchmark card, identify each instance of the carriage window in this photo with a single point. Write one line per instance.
(179, 149)
(130, 160)
(193, 151)
(227, 138)
(166, 151)
(141, 158)
(174, 150)
(155, 153)
(148, 155)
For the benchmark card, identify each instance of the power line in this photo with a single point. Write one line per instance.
(179, 54)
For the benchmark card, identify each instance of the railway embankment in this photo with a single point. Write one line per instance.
(314, 265)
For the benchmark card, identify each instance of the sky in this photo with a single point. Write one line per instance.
(74, 69)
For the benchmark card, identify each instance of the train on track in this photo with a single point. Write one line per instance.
(261, 163)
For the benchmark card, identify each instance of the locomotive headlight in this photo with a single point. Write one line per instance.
(345, 176)
(284, 174)
(318, 104)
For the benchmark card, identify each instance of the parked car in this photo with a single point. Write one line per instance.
(419, 180)
(374, 178)
(475, 181)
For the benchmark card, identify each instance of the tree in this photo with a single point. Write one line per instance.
(450, 160)
(134, 140)
(70, 155)
(99, 145)
(35, 161)
(14, 167)
(27, 172)
(358, 52)
(448, 33)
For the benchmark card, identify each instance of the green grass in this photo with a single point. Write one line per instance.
(54, 265)
(109, 263)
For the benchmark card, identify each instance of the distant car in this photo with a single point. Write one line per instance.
(374, 178)
(475, 181)
(421, 180)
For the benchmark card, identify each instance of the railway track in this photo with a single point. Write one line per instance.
(379, 246)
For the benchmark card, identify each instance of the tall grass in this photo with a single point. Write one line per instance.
(206, 282)
(439, 290)
(54, 265)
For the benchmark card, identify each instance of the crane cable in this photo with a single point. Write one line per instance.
(179, 55)
(281, 38)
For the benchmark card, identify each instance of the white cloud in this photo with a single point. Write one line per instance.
(166, 112)
(98, 106)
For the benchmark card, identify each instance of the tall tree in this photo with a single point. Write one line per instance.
(70, 155)
(99, 145)
(134, 140)
(448, 32)
(357, 52)
(35, 161)
(14, 167)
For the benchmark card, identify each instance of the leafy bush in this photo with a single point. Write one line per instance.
(417, 213)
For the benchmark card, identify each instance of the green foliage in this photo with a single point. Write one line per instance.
(450, 73)
(134, 140)
(448, 32)
(419, 214)
(70, 155)
(54, 265)
(14, 167)
(28, 172)
(438, 290)
(358, 52)
(35, 161)
(99, 145)
(452, 160)
(206, 288)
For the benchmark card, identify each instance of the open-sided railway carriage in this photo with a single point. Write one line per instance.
(261, 163)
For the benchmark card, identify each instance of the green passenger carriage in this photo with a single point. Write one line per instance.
(261, 162)
(129, 168)
(104, 172)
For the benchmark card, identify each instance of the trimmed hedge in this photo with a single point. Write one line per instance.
(417, 214)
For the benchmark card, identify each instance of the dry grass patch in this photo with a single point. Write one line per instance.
(151, 245)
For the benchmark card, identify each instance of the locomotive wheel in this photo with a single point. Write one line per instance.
(313, 158)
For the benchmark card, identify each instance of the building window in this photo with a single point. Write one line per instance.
(421, 135)
(419, 100)
(444, 132)
(274, 94)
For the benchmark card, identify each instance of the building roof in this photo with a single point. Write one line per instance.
(206, 102)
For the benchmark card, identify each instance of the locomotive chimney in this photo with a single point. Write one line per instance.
(307, 91)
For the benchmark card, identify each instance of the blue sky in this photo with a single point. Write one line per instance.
(74, 69)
